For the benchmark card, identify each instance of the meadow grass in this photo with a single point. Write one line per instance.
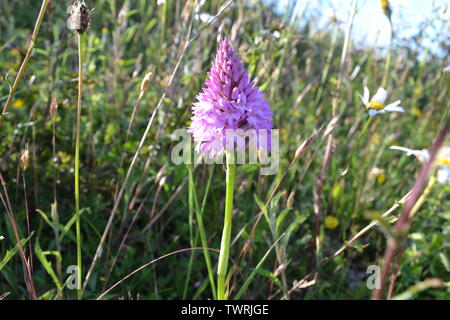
(151, 229)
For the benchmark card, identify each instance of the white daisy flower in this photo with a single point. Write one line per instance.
(205, 17)
(442, 160)
(376, 104)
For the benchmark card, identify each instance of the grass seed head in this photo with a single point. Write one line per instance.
(79, 19)
(53, 108)
(146, 81)
(24, 158)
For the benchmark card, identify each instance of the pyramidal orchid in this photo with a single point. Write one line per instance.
(230, 103)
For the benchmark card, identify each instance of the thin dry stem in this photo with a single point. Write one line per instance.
(26, 59)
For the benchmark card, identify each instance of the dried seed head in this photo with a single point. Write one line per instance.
(304, 145)
(280, 269)
(53, 108)
(290, 200)
(24, 158)
(78, 20)
(146, 81)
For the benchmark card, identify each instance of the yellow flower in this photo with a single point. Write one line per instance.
(385, 4)
(381, 178)
(331, 222)
(14, 52)
(442, 162)
(18, 103)
(386, 8)
(378, 174)
(65, 158)
(105, 30)
(9, 65)
(376, 139)
(375, 105)
(417, 112)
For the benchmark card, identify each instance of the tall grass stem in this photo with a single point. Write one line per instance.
(387, 66)
(201, 228)
(357, 144)
(26, 59)
(77, 164)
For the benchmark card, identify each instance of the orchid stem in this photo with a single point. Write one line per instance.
(226, 234)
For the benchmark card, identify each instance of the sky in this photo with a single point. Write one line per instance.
(370, 21)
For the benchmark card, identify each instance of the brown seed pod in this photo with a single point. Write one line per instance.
(78, 20)
(24, 158)
(53, 108)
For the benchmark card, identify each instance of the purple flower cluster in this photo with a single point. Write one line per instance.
(229, 102)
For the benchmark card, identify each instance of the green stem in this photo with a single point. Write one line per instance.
(27, 57)
(226, 235)
(423, 197)
(361, 137)
(199, 215)
(77, 163)
(387, 66)
(192, 239)
(201, 228)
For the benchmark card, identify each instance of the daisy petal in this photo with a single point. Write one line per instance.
(423, 155)
(391, 108)
(394, 104)
(444, 153)
(363, 100)
(366, 95)
(372, 112)
(443, 175)
(380, 96)
(407, 150)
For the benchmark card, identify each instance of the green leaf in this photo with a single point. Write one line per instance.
(298, 221)
(41, 255)
(10, 253)
(253, 274)
(280, 219)
(444, 261)
(271, 276)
